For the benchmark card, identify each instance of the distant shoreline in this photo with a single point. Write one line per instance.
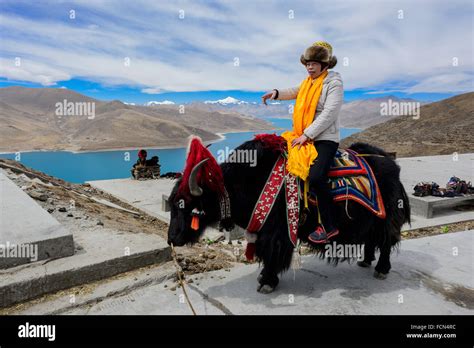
(220, 137)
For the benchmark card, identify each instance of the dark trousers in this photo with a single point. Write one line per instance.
(318, 181)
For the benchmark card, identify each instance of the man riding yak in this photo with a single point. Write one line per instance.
(302, 188)
(313, 144)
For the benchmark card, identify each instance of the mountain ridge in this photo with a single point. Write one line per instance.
(30, 121)
(443, 127)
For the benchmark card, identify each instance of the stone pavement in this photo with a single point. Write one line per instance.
(431, 275)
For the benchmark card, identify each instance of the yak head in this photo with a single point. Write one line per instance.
(195, 198)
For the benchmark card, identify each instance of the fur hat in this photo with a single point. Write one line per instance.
(321, 52)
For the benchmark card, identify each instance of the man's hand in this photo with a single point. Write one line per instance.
(269, 95)
(299, 141)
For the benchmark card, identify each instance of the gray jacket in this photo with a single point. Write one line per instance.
(326, 121)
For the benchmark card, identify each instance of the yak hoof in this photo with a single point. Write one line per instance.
(265, 289)
(363, 264)
(379, 275)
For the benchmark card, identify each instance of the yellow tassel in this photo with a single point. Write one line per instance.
(319, 216)
(306, 190)
(296, 259)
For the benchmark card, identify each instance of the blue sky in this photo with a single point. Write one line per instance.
(137, 51)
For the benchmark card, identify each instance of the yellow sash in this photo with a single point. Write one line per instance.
(299, 160)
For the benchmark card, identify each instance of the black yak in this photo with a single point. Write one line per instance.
(244, 182)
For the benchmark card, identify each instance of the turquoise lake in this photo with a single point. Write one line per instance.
(81, 167)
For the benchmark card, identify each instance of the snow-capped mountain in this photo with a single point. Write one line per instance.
(355, 114)
(226, 101)
(154, 102)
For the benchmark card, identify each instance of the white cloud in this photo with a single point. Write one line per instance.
(153, 90)
(31, 71)
(154, 102)
(413, 54)
(456, 82)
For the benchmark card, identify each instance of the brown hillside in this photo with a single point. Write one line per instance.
(443, 128)
(28, 121)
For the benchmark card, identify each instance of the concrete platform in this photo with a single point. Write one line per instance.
(146, 195)
(435, 168)
(438, 169)
(100, 253)
(28, 229)
(426, 206)
(83, 253)
(431, 275)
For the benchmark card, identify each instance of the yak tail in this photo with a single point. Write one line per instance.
(406, 205)
(397, 204)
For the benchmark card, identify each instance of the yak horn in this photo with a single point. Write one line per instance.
(194, 188)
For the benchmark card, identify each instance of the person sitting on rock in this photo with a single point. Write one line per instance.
(141, 158)
(141, 162)
(146, 168)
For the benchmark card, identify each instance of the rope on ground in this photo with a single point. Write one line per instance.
(179, 271)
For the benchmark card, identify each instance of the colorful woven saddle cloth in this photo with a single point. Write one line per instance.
(352, 178)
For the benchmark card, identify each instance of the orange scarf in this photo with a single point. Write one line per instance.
(299, 160)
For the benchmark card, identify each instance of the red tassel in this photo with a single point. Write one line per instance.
(272, 142)
(250, 251)
(195, 222)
